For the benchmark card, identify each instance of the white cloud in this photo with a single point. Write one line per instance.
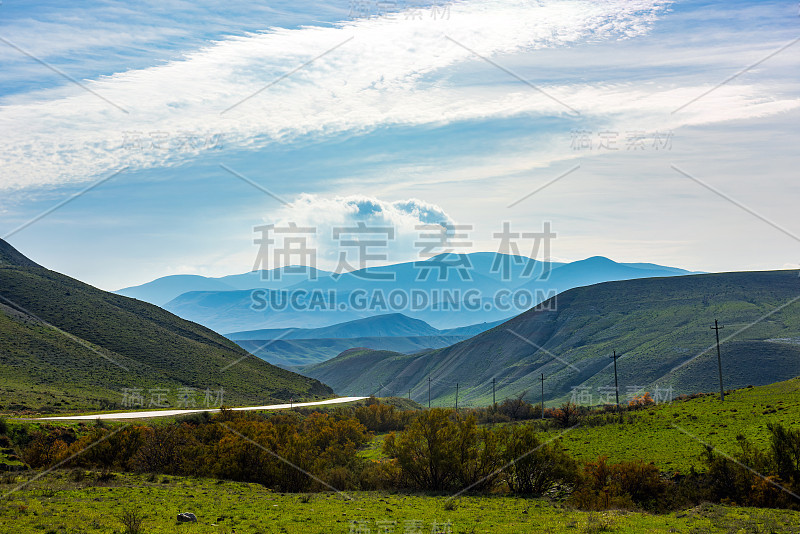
(397, 225)
(391, 72)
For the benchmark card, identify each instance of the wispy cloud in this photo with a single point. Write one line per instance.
(394, 71)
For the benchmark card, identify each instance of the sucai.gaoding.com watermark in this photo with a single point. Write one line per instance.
(289, 249)
(402, 300)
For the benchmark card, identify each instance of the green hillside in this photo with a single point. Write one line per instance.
(65, 345)
(655, 325)
(672, 435)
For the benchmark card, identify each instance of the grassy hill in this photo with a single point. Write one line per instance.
(67, 345)
(655, 325)
(672, 434)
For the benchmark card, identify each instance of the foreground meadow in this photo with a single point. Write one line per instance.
(72, 502)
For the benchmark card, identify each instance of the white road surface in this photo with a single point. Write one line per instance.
(168, 413)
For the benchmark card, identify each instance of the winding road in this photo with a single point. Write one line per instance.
(168, 413)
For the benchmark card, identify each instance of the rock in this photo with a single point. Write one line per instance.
(187, 517)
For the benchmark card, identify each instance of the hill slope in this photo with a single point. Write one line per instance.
(66, 343)
(653, 324)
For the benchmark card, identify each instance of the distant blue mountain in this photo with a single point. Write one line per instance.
(458, 290)
(162, 290)
(598, 269)
(388, 325)
(293, 348)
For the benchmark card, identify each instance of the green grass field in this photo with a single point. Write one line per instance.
(63, 503)
(672, 435)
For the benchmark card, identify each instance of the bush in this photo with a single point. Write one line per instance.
(381, 475)
(131, 520)
(626, 485)
(377, 417)
(641, 401)
(517, 409)
(567, 415)
(441, 450)
(533, 467)
(244, 447)
(766, 475)
(48, 446)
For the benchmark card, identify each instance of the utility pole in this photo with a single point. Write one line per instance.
(717, 328)
(494, 402)
(542, 396)
(409, 394)
(429, 392)
(456, 396)
(616, 383)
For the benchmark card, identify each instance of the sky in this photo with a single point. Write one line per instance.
(145, 140)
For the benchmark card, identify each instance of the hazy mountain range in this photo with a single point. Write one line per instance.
(491, 287)
(298, 347)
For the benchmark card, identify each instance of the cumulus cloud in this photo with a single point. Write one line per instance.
(398, 223)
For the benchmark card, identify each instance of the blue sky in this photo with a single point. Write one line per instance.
(465, 108)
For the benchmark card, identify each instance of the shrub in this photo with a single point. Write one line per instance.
(754, 477)
(533, 467)
(377, 417)
(441, 450)
(626, 485)
(567, 415)
(517, 409)
(131, 520)
(48, 446)
(641, 401)
(381, 476)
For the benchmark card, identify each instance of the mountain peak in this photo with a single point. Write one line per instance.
(11, 256)
(598, 260)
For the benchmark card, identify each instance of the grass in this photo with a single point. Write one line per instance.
(373, 450)
(670, 435)
(57, 504)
